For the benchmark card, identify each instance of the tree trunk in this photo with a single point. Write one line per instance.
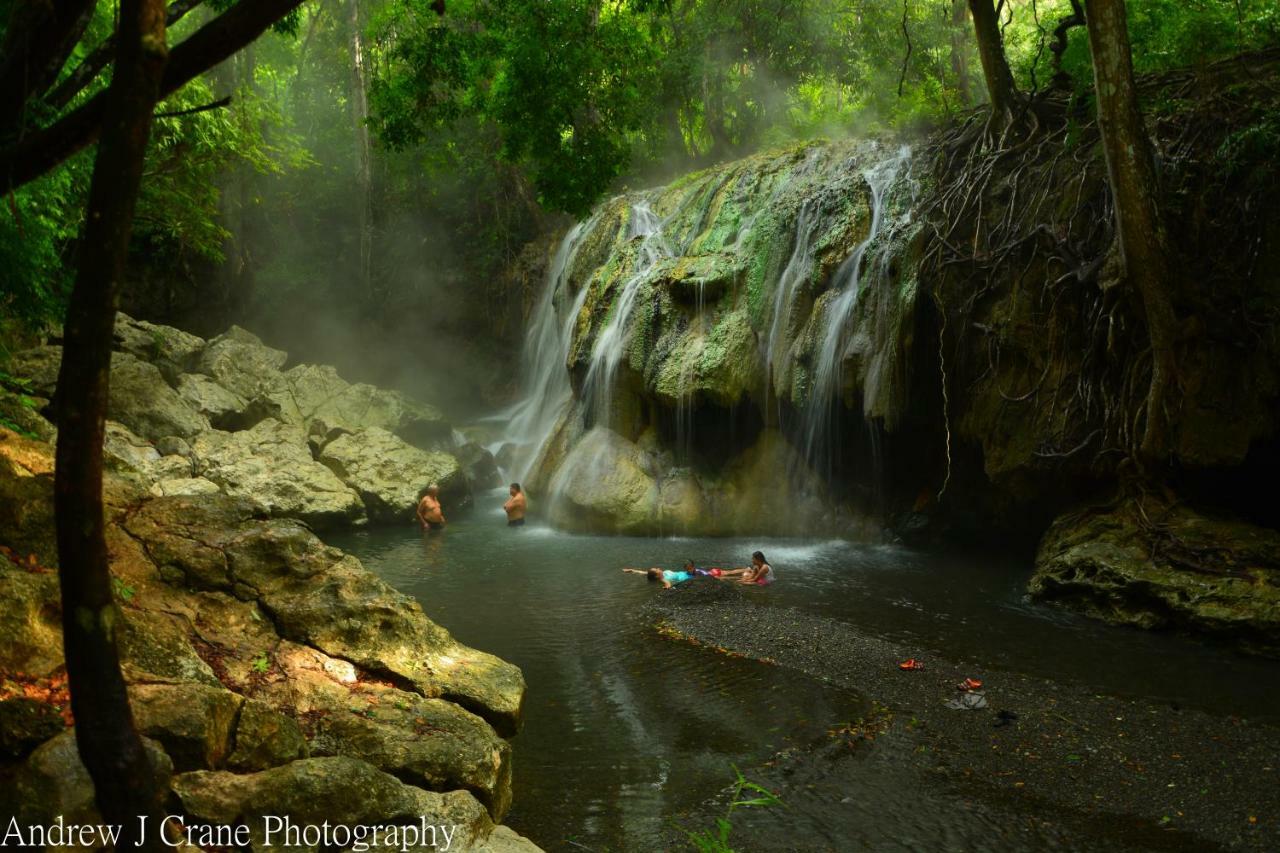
(1134, 186)
(1001, 90)
(364, 155)
(959, 51)
(109, 744)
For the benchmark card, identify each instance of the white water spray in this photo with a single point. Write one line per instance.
(547, 391)
(613, 340)
(851, 278)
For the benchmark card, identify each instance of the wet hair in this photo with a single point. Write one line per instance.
(654, 574)
(689, 564)
(758, 555)
(515, 486)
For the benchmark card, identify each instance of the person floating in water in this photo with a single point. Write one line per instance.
(667, 578)
(430, 514)
(515, 506)
(758, 573)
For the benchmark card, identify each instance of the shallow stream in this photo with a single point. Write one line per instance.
(625, 730)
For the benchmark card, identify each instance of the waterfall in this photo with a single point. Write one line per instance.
(797, 271)
(850, 279)
(611, 342)
(546, 391)
(697, 292)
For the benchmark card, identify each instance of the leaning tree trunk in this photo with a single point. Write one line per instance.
(1001, 90)
(109, 744)
(1134, 186)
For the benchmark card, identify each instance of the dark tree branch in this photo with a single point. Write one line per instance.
(1059, 46)
(110, 748)
(223, 102)
(43, 150)
(37, 42)
(89, 69)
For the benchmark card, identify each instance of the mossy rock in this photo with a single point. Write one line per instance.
(1156, 564)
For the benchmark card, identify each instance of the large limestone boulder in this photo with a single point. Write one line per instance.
(30, 620)
(155, 648)
(605, 484)
(241, 363)
(184, 486)
(390, 475)
(1153, 563)
(143, 401)
(341, 791)
(193, 722)
(312, 392)
(225, 409)
(127, 453)
(26, 498)
(431, 743)
(768, 489)
(319, 597)
(271, 467)
(265, 738)
(141, 398)
(39, 366)
(171, 350)
(479, 466)
(22, 412)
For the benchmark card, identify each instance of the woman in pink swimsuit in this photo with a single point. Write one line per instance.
(760, 573)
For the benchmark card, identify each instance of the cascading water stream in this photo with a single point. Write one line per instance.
(547, 391)
(854, 274)
(798, 270)
(611, 342)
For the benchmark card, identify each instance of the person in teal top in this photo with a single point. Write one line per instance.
(666, 577)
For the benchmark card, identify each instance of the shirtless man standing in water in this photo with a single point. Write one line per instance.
(516, 506)
(430, 515)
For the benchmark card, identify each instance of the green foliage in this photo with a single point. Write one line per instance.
(1164, 34)
(262, 663)
(716, 839)
(179, 206)
(38, 224)
(122, 589)
(1255, 144)
(569, 83)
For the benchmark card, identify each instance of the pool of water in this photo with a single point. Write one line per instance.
(624, 729)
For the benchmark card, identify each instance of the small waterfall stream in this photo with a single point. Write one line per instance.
(611, 342)
(546, 391)
(853, 276)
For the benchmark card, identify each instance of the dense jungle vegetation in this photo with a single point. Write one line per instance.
(379, 165)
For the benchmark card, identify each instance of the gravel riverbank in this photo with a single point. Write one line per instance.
(1075, 770)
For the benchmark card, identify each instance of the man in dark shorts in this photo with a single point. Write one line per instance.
(515, 506)
(430, 514)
